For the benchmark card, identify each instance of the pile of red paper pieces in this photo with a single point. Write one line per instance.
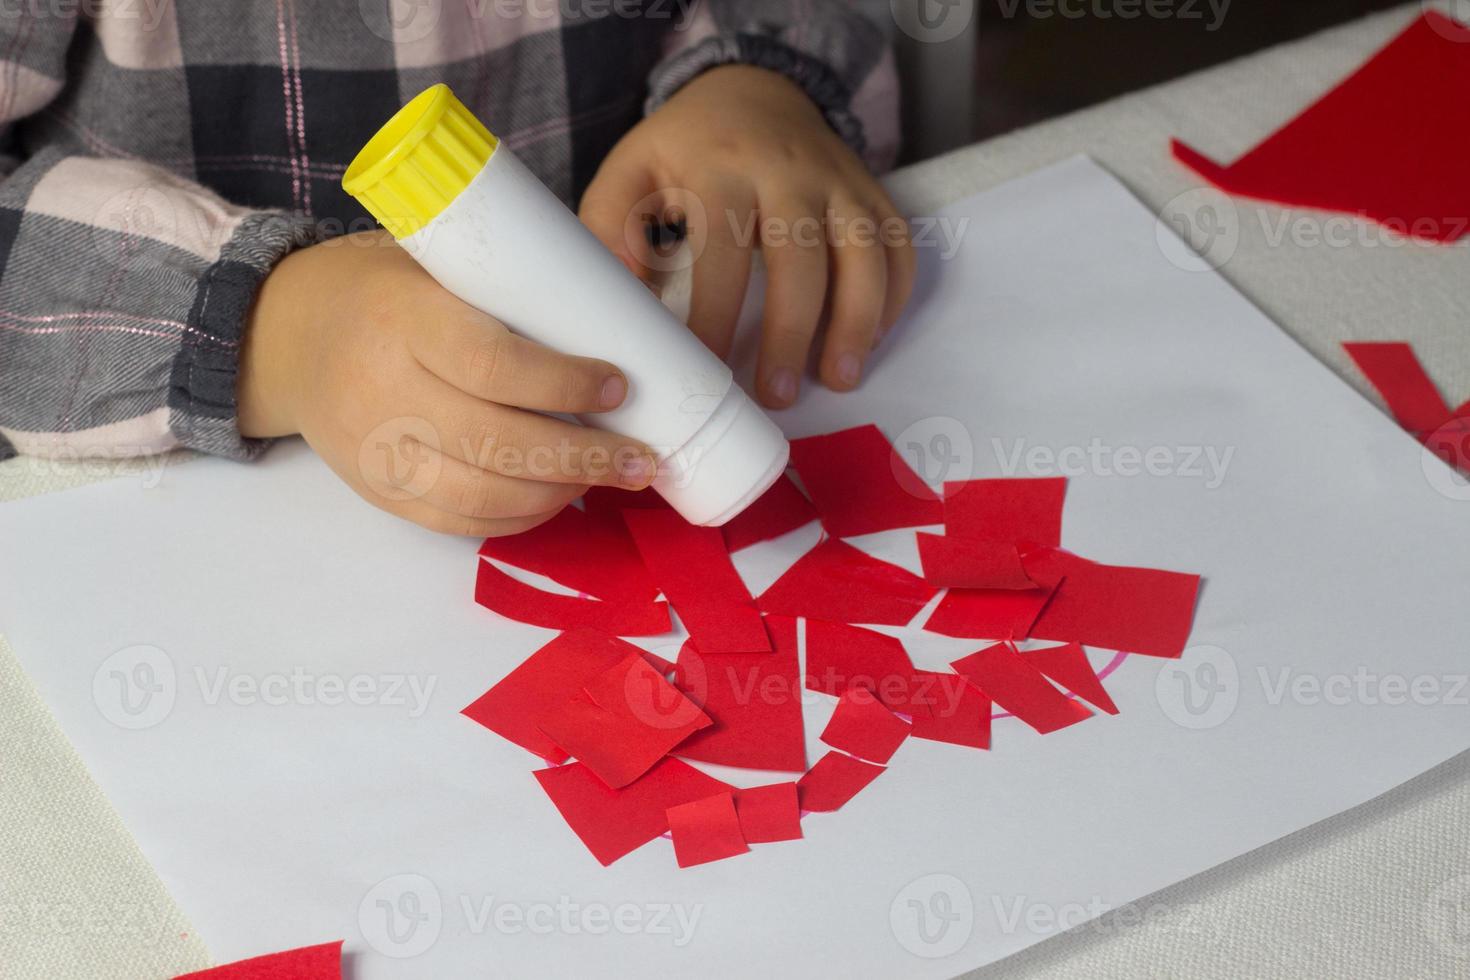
(633, 722)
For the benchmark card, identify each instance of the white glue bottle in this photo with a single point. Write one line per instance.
(493, 235)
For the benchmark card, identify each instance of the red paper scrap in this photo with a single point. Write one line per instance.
(769, 813)
(780, 510)
(837, 582)
(615, 822)
(861, 485)
(706, 830)
(1412, 399)
(514, 599)
(1390, 142)
(969, 563)
(623, 721)
(582, 554)
(514, 708)
(862, 727)
(323, 962)
(1068, 666)
(840, 658)
(1011, 510)
(990, 614)
(1131, 610)
(606, 504)
(960, 712)
(690, 564)
(1010, 681)
(754, 700)
(835, 779)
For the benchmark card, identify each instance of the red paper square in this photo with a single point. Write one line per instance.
(582, 554)
(1011, 510)
(706, 830)
(835, 779)
(769, 813)
(1010, 681)
(959, 712)
(989, 614)
(837, 582)
(862, 727)
(840, 658)
(860, 485)
(971, 563)
(780, 510)
(1132, 610)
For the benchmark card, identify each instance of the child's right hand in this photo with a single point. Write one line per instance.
(423, 405)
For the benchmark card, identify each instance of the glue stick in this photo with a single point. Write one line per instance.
(493, 235)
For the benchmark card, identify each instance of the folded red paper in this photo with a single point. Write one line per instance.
(1068, 666)
(614, 822)
(837, 582)
(959, 712)
(624, 720)
(754, 700)
(1132, 610)
(1390, 142)
(1011, 510)
(323, 962)
(968, 563)
(835, 779)
(769, 813)
(861, 726)
(514, 599)
(690, 564)
(1012, 682)
(705, 830)
(780, 510)
(860, 485)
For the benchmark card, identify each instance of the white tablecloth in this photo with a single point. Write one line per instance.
(1383, 890)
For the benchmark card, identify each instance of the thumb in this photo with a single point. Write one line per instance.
(620, 206)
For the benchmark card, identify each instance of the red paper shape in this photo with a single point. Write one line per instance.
(835, 779)
(862, 727)
(841, 658)
(582, 554)
(769, 813)
(1390, 142)
(969, 563)
(606, 504)
(615, 822)
(1132, 610)
(624, 720)
(1010, 681)
(1009, 510)
(1412, 399)
(693, 568)
(514, 599)
(706, 830)
(837, 582)
(780, 510)
(1068, 666)
(754, 700)
(990, 614)
(959, 712)
(515, 707)
(323, 962)
(861, 485)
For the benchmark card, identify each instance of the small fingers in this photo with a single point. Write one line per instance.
(796, 264)
(608, 210)
(859, 285)
(722, 270)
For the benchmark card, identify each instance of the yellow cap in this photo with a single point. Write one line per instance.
(419, 161)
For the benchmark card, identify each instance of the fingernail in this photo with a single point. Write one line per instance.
(849, 369)
(782, 385)
(637, 472)
(614, 390)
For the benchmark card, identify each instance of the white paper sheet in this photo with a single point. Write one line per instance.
(1335, 564)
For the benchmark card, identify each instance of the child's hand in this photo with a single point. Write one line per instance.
(757, 155)
(424, 406)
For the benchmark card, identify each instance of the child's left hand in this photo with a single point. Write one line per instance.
(766, 171)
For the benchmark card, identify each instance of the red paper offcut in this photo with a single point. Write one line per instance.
(1390, 142)
(1068, 666)
(991, 614)
(582, 554)
(862, 727)
(959, 712)
(835, 779)
(837, 582)
(623, 721)
(754, 700)
(615, 822)
(780, 510)
(840, 658)
(321, 962)
(769, 813)
(514, 599)
(706, 830)
(514, 707)
(969, 563)
(1412, 398)
(1012, 510)
(690, 564)
(860, 485)
(1132, 610)
(1012, 682)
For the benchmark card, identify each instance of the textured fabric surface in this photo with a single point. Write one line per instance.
(1383, 890)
